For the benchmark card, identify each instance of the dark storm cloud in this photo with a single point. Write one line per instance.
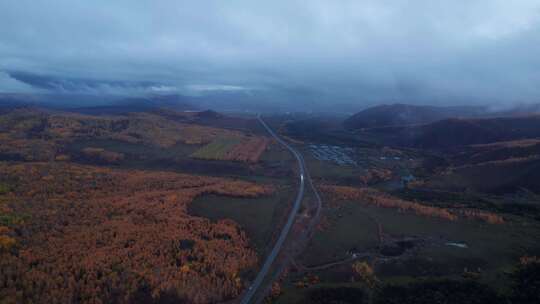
(333, 51)
(58, 84)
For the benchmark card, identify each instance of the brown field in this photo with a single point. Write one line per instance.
(375, 175)
(242, 149)
(249, 150)
(100, 154)
(510, 160)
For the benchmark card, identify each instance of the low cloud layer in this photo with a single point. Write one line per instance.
(483, 51)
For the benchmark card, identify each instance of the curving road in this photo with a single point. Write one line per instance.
(255, 285)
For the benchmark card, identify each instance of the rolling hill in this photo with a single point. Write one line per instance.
(405, 114)
(452, 133)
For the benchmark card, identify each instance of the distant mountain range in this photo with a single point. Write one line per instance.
(431, 127)
(450, 133)
(406, 114)
(257, 101)
(96, 105)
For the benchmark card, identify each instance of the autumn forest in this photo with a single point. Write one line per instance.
(82, 233)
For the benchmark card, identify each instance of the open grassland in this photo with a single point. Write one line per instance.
(419, 292)
(342, 230)
(322, 293)
(438, 243)
(258, 217)
(490, 248)
(276, 153)
(492, 252)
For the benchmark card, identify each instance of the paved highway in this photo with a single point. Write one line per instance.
(255, 285)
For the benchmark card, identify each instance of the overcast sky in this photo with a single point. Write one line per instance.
(331, 50)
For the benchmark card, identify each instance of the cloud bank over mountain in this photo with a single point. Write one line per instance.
(483, 51)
